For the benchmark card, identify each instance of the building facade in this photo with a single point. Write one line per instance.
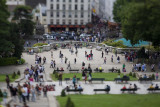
(106, 9)
(68, 15)
(15, 2)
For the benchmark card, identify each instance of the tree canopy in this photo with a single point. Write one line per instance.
(140, 20)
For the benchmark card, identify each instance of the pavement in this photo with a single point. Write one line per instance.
(88, 88)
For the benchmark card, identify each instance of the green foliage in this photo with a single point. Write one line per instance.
(69, 103)
(54, 72)
(63, 93)
(119, 71)
(6, 46)
(22, 61)
(56, 75)
(113, 43)
(141, 53)
(1, 94)
(153, 76)
(134, 75)
(39, 44)
(13, 75)
(19, 73)
(8, 61)
(130, 74)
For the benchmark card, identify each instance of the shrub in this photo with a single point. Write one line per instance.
(1, 94)
(22, 61)
(119, 71)
(134, 75)
(69, 103)
(54, 72)
(130, 74)
(56, 75)
(18, 73)
(13, 75)
(8, 61)
(114, 43)
(39, 44)
(63, 93)
(153, 76)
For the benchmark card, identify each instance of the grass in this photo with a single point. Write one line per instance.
(3, 78)
(107, 76)
(121, 100)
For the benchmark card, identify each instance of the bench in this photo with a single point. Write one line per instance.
(113, 70)
(75, 90)
(106, 90)
(121, 79)
(67, 79)
(129, 90)
(72, 70)
(153, 89)
(145, 79)
(98, 70)
(98, 79)
(59, 70)
(87, 70)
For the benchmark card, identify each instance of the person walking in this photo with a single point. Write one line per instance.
(54, 63)
(112, 58)
(33, 93)
(24, 93)
(74, 80)
(118, 59)
(66, 60)
(5, 95)
(102, 54)
(51, 66)
(60, 79)
(69, 66)
(7, 81)
(75, 60)
(105, 60)
(157, 75)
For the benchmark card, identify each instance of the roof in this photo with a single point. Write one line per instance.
(34, 3)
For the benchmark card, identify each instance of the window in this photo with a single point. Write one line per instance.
(70, 14)
(70, 7)
(63, 22)
(64, 14)
(51, 21)
(81, 14)
(76, 14)
(76, 22)
(82, 1)
(76, 1)
(57, 14)
(82, 8)
(69, 22)
(51, 6)
(57, 21)
(64, 7)
(51, 14)
(76, 7)
(57, 6)
(64, 0)
(57, 0)
(81, 22)
(51, 0)
(70, 0)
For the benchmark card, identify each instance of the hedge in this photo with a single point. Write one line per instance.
(39, 44)
(10, 61)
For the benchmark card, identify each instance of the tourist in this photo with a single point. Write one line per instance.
(60, 78)
(124, 87)
(118, 59)
(83, 75)
(135, 86)
(45, 91)
(5, 95)
(31, 80)
(74, 80)
(90, 77)
(54, 63)
(69, 66)
(156, 87)
(44, 60)
(75, 60)
(102, 54)
(105, 60)
(51, 64)
(112, 58)
(7, 81)
(37, 88)
(19, 92)
(26, 77)
(108, 87)
(145, 76)
(152, 67)
(79, 87)
(33, 93)
(66, 60)
(29, 90)
(83, 64)
(143, 67)
(100, 69)
(151, 86)
(24, 93)
(130, 86)
(157, 75)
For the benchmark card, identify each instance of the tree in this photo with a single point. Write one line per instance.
(6, 47)
(23, 16)
(140, 21)
(16, 40)
(69, 103)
